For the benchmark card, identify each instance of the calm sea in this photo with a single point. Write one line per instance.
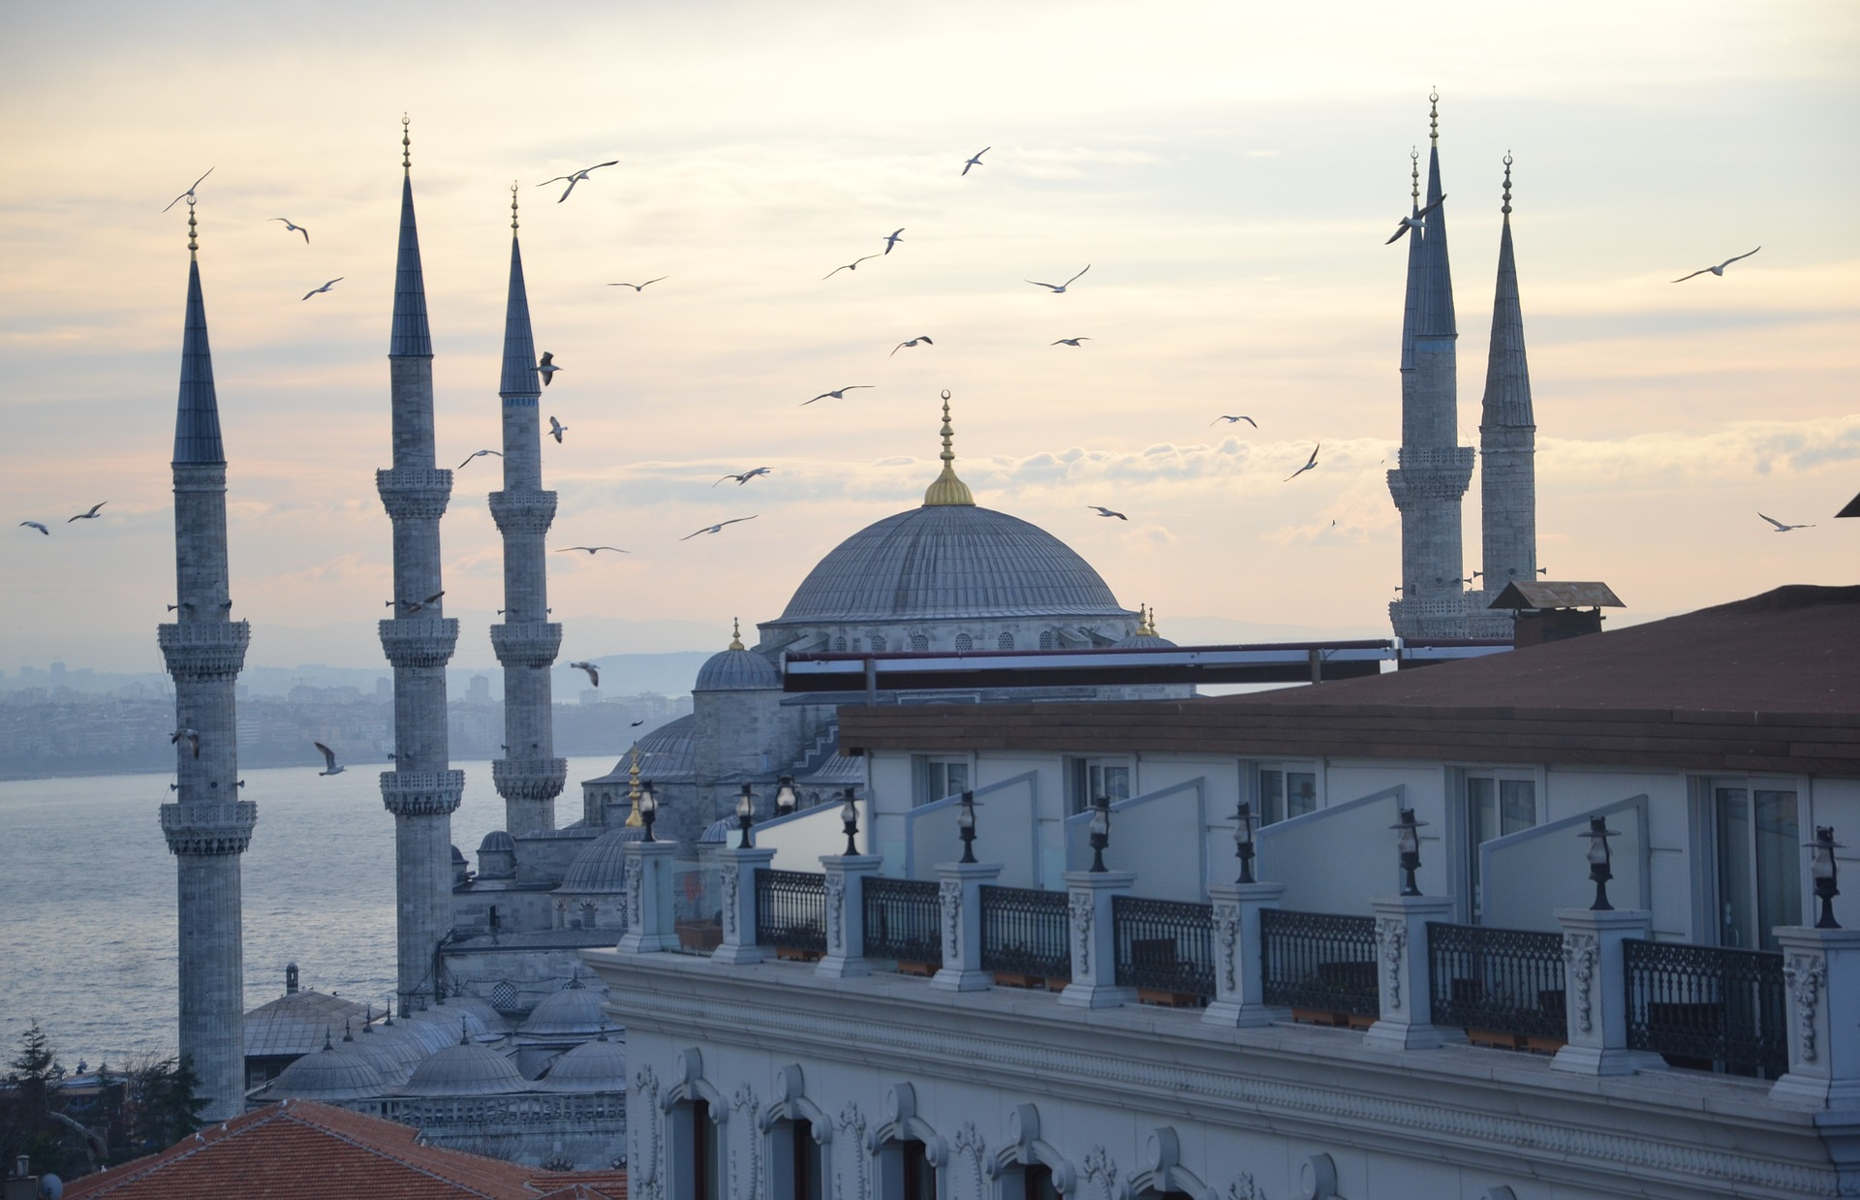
(87, 906)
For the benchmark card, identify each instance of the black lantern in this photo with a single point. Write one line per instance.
(1100, 830)
(745, 815)
(965, 826)
(1822, 868)
(1601, 869)
(849, 819)
(648, 807)
(1243, 841)
(784, 795)
(1408, 841)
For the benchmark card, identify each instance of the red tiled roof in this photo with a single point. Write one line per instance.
(302, 1150)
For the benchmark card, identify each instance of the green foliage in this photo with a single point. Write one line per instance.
(32, 1095)
(159, 1106)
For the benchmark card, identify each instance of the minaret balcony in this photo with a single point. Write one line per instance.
(411, 493)
(529, 778)
(1436, 617)
(421, 793)
(1431, 475)
(419, 642)
(204, 649)
(209, 828)
(526, 643)
(1453, 458)
(522, 512)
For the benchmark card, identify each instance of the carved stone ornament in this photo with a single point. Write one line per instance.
(1080, 906)
(730, 884)
(644, 1163)
(1243, 1188)
(1101, 1169)
(1227, 930)
(1804, 974)
(746, 1185)
(852, 1120)
(968, 1143)
(951, 894)
(1579, 955)
(836, 906)
(1392, 936)
(635, 908)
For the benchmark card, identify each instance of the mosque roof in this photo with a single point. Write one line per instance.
(497, 841)
(295, 1023)
(596, 1066)
(737, 670)
(601, 867)
(574, 1010)
(337, 1072)
(466, 1069)
(667, 753)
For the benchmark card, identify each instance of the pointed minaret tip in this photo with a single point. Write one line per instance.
(1414, 176)
(193, 241)
(406, 143)
(513, 208)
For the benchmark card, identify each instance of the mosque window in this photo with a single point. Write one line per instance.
(1047, 641)
(504, 996)
(878, 643)
(963, 643)
(919, 642)
(839, 644)
(1005, 641)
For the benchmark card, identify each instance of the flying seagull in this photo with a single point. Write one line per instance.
(556, 430)
(1310, 463)
(575, 177)
(1071, 341)
(718, 527)
(414, 606)
(1719, 269)
(547, 367)
(1234, 420)
(1057, 288)
(840, 393)
(640, 287)
(1107, 512)
(922, 337)
(316, 291)
(594, 676)
(892, 239)
(638, 723)
(88, 516)
(851, 266)
(593, 550)
(1782, 528)
(193, 738)
(42, 529)
(478, 454)
(975, 160)
(332, 767)
(745, 477)
(1415, 222)
(291, 228)
(188, 194)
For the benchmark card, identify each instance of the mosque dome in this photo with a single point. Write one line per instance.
(395, 1050)
(332, 1074)
(479, 1016)
(497, 842)
(466, 1069)
(431, 1033)
(575, 1010)
(736, 669)
(597, 1066)
(601, 866)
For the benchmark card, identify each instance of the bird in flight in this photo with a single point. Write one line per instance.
(638, 723)
(192, 738)
(1234, 420)
(1071, 341)
(35, 525)
(188, 194)
(575, 177)
(88, 516)
(593, 550)
(594, 676)
(1415, 222)
(1782, 528)
(331, 766)
(414, 606)
(316, 291)
(1719, 269)
(1107, 512)
(556, 430)
(478, 454)
(640, 287)
(922, 337)
(851, 266)
(547, 367)
(291, 228)
(840, 393)
(1057, 288)
(892, 239)
(1310, 463)
(745, 477)
(718, 527)
(975, 160)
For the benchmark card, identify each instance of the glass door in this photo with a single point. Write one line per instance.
(1759, 863)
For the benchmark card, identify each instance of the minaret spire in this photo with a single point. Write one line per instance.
(946, 489)
(1507, 442)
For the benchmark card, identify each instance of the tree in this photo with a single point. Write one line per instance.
(31, 1110)
(159, 1105)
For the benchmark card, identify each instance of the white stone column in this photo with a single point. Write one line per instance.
(961, 893)
(846, 914)
(649, 898)
(1821, 977)
(1402, 978)
(737, 877)
(1239, 975)
(1094, 939)
(1595, 991)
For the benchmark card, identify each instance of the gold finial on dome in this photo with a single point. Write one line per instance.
(513, 207)
(736, 635)
(1149, 623)
(406, 143)
(1433, 115)
(947, 489)
(1506, 207)
(632, 789)
(193, 242)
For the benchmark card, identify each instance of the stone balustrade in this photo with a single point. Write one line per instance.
(529, 778)
(526, 643)
(220, 828)
(412, 493)
(421, 793)
(419, 641)
(522, 512)
(204, 649)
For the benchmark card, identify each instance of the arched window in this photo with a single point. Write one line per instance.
(963, 643)
(878, 643)
(799, 1141)
(919, 642)
(694, 1152)
(1028, 1168)
(839, 643)
(910, 1154)
(1005, 642)
(1046, 639)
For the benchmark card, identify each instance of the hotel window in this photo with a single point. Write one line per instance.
(1497, 803)
(1286, 790)
(919, 1173)
(1757, 829)
(796, 1161)
(1094, 777)
(939, 776)
(696, 1152)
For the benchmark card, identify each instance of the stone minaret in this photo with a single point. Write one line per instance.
(1507, 446)
(422, 790)
(208, 826)
(1433, 471)
(529, 775)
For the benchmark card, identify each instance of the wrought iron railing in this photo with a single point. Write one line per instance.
(1024, 932)
(903, 920)
(1319, 961)
(1502, 980)
(1164, 945)
(791, 909)
(1712, 1007)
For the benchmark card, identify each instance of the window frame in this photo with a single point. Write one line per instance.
(1078, 769)
(1254, 771)
(1463, 861)
(924, 768)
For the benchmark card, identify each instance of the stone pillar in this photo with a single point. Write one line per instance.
(961, 893)
(1595, 991)
(737, 877)
(846, 913)
(1239, 974)
(1407, 1016)
(1094, 939)
(1821, 976)
(649, 898)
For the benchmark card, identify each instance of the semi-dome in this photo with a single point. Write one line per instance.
(331, 1074)
(597, 1066)
(601, 866)
(466, 1070)
(735, 669)
(575, 1010)
(431, 1032)
(497, 842)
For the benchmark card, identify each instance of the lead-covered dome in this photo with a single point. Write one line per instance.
(575, 1010)
(736, 669)
(466, 1070)
(330, 1074)
(597, 1066)
(601, 866)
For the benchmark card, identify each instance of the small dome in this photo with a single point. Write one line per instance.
(458, 857)
(466, 1070)
(1145, 641)
(575, 1010)
(497, 842)
(718, 833)
(432, 1035)
(395, 1050)
(332, 1074)
(597, 1066)
(601, 866)
(480, 1018)
(737, 670)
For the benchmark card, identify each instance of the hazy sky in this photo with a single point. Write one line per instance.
(1229, 170)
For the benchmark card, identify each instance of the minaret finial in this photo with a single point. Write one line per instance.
(406, 143)
(947, 489)
(736, 634)
(1506, 207)
(1433, 115)
(513, 207)
(193, 242)
(632, 790)
(1414, 175)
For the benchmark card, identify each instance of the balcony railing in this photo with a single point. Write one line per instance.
(903, 920)
(1024, 933)
(791, 910)
(1711, 1007)
(1319, 962)
(1498, 984)
(1165, 946)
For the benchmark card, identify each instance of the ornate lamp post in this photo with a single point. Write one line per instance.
(1100, 831)
(1601, 868)
(784, 796)
(745, 816)
(1243, 841)
(1822, 868)
(849, 819)
(648, 808)
(965, 826)
(1408, 841)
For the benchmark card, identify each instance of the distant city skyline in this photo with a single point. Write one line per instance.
(1230, 175)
